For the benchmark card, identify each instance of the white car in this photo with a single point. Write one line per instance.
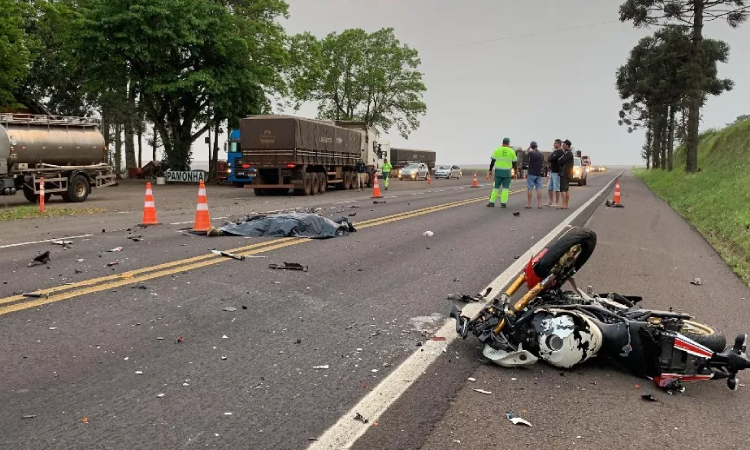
(448, 171)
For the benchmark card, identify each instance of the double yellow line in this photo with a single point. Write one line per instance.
(57, 293)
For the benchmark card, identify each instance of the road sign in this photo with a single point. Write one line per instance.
(185, 177)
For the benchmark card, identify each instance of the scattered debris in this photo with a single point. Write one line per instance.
(161, 395)
(63, 243)
(359, 416)
(517, 213)
(138, 372)
(227, 255)
(116, 249)
(696, 282)
(482, 391)
(180, 339)
(610, 204)
(288, 266)
(113, 263)
(428, 233)
(352, 214)
(437, 338)
(516, 257)
(35, 295)
(223, 358)
(225, 337)
(377, 202)
(466, 298)
(41, 259)
(135, 238)
(160, 338)
(517, 420)
(321, 367)
(28, 416)
(230, 309)
(648, 397)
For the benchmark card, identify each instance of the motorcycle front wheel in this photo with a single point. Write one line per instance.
(703, 334)
(571, 250)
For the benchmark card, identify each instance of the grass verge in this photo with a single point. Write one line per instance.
(716, 200)
(8, 213)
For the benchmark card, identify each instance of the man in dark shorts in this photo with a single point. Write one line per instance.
(566, 172)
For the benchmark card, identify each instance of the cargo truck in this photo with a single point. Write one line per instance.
(307, 155)
(240, 174)
(68, 152)
(401, 157)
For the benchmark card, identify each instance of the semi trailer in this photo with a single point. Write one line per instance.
(307, 155)
(68, 152)
(401, 157)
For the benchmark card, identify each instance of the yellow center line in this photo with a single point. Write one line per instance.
(162, 270)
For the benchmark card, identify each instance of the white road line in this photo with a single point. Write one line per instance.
(21, 244)
(190, 221)
(344, 433)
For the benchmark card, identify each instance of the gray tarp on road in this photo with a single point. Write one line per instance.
(289, 225)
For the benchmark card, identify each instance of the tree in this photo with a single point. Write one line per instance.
(185, 57)
(15, 49)
(655, 81)
(693, 13)
(354, 75)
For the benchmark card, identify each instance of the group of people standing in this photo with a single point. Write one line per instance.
(504, 159)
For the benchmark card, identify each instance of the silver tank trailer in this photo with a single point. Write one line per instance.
(50, 143)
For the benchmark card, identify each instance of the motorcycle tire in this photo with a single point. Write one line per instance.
(708, 337)
(584, 237)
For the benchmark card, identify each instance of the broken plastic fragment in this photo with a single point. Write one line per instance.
(360, 418)
(482, 391)
(517, 420)
(28, 416)
(160, 395)
(227, 254)
(230, 309)
(116, 249)
(648, 397)
(428, 233)
(288, 266)
(472, 379)
(320, 367)
(696, 282)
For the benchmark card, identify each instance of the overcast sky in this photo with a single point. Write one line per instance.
(487, 78)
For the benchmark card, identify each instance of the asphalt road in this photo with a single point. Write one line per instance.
(89, 365)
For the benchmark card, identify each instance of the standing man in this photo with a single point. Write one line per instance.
(554, 177)
(566, 172)
(361, 170)
(386, 172)
(534, 178)
(505, 158)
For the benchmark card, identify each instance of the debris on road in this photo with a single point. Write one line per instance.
(28, 416)
(517, 213)
(223, 358)
(648, 398)
(472, 379)
(610, 204)
(310, 226)
(160, 338)
(180, 339)
(35, 295)
(696, 282)
(64, 244)
(230, 309)
(227, 255)
(466, 298)
(113, 263)
(376, 202)
(360, 418)
(116, 249)
(428, 233)
(482, 391)
(41, 259)
(289, 266)
(225, 337)
(517, 420)
(321, 367)
(160, 395)
(138, 372)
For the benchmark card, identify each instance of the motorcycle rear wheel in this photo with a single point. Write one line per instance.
(573, 248)
(708, 337)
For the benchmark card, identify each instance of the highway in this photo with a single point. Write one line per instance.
(175, 347)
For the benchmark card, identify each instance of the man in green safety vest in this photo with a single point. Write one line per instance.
(503, 160)
(386, 172)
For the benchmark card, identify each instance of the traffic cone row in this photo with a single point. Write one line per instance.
(202, 223)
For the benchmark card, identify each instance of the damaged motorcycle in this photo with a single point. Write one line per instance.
(567, 328)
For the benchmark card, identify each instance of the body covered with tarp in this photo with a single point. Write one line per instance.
(310, 226)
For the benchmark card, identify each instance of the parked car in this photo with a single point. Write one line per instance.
(448, 171)
(580, 174)
(413, 172)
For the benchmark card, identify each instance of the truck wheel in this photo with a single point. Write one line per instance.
(34, 198)
(307, 183)
(315, 183)
(347, 181)
(78, 189)
(323, 182)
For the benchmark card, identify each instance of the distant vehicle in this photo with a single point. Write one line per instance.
(402, 157)
(579, 172)
(413, 172)
(239, 173)
(448, 171)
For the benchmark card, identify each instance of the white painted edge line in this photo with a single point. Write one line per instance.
(21, 244)
(346, 431)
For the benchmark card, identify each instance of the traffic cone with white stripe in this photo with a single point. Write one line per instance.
(149, 208)
(376, 188)
(475, 183)
(616, 196)
(202, 222)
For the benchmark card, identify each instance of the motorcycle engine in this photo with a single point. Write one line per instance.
(566, 338)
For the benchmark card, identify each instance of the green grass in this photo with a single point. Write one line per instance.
(715, 200)
(8, 213)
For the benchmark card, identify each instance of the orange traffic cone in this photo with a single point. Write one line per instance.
(149, 208)
(429, 180)
(487, 178)
(475, 183)
(376, 188)
(616, 196)
(202, 221)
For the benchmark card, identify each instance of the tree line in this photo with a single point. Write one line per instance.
(161, 73)
(669, 75)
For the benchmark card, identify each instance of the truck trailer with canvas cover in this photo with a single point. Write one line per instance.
(305, 155)
(400, 157)
(68, 152)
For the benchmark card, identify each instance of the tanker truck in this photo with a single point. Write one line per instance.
(68, 152)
